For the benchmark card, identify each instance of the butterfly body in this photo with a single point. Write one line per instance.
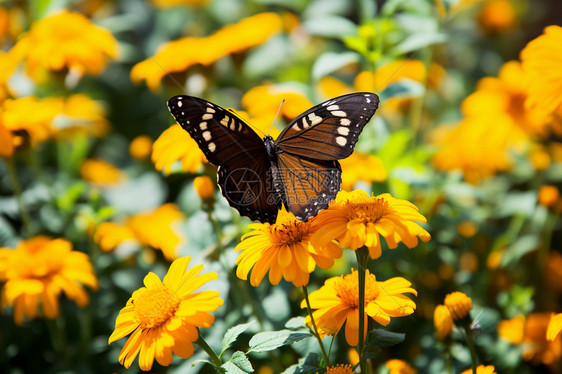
(298, 170)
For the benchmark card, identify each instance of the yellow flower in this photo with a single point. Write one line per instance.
(467, 229)
(80, 114)
(8, 65)
(356, 219)
(204, 186)
(541, 63)
(30, 114)
(174, 145)
(284, 249)
(179, 55)
(100, 172)
(548, 195)
(6, 142)
(337, 303)
(443, 322)
(154, 228)
(164, 4)
(554, 326)
(339, 369)
(163, 316)
(531, 333)
(38, 271)
(497, 16)
(330, 87)
(361, 167)
(459, 305)
(66, 40)
(141, 147)
(399, 367)
(482, 369)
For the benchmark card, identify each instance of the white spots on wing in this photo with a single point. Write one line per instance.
(233, 125)
(210, 104)
(338, 113)
(343, 130)
(368, 100)
(180, 104)
(345, 121)
(341, 141)
(203, 125)
(329, 102)
(207, 116)
(305, 124)
(210, 110)
(207, 135)
(333, 107)
(314, 119)
(224, 121)
(212, 146)
(296, 127)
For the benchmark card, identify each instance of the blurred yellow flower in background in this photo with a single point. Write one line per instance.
(541, 63)
(284, 249)
(155, 228)
(390, 73)
(204, 187)
(66, 40)
(459, 305)
(356, 219)
(30, 114)
(164, 4)
(482, 369)
(337, 302)
(554, 326)
(80, 114)
(531, 333)
(174, 145)
(548, 195)
(361, 167)
(141, 147)
(6, 142)
(8, 65)
(399, 367)
(339, 369)
(163, 316)
(443, 322)
(497, 16)
(38, 271)
(179, 55)
(100, 172)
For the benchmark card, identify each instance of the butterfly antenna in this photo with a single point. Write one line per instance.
(383, 85)
(277, 115)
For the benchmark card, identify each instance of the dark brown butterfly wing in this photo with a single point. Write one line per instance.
(229, 143)
(330, 130)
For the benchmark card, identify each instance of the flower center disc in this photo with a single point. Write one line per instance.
(155, 306)
(366, 212)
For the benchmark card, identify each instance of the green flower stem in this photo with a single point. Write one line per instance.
(18, 193)
(549, 226)
(57, 333)
(204, 346)
(470, 343)
(314, 328)
(362, 255)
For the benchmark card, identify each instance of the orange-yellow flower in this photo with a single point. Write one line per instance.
(554, 326)
(109, 235)
(163, 316)
(141, 147)
(399, 367)
(548, 195)
(204, 187)
(284, 249)
(443, 322)
(459, 305)
(179, 55)
(497, 16)
(356, 219)
(361, 167)
(38, 271)
(482, 369)
(30, 114)
(174, 145)
(339, 369)
(6, 142)
(541, 63)
(531, 333)
(100, 172)
(337, 302)
(79, 113)
(8, 65)
(66, 40)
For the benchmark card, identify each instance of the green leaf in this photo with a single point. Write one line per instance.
(270, 340)
(295, 323)
(330, 26)
(238, 364)
(309, 364)
(383, 338)
(418, 41)
(232, 334)
(331, 61)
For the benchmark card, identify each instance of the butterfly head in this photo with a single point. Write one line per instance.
(270, 147)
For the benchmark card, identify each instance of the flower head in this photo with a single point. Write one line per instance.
(482, 369)
(554, 326)
(38, 271)
(548, 195)
(337, 302)
(174, 145)
(141, 147)
(284, 249)
(356, 219)
(204, 186)
(354, 167)
(30, 115)
(339, 369)
(541, 63)
(443, 322)
(181, 54)
(163, 316)
(399, 367)
(66, 40)
(80, 114)
(497, 16)
(459, 305)
(100, 172)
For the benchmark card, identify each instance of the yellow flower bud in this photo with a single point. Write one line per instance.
(141, 147)
(443, 322)
(204, 186)
(548, 195)
(459, 305)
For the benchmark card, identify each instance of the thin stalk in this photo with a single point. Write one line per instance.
(18, 193)
(470, 343)
(204, 346)
(314, 328)
(362, 255)
(58, 339)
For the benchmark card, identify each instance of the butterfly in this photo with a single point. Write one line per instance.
(298, 170)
